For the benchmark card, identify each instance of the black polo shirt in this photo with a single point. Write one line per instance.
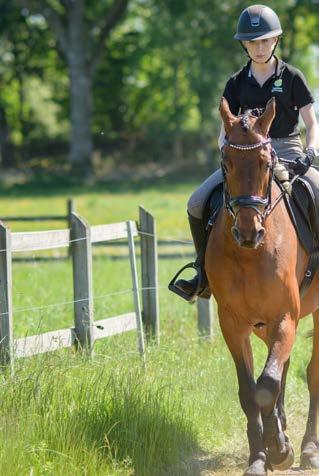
(287, 84)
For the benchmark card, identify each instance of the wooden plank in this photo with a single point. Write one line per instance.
(205, 317)
(114, 325)
(46, 342)
(114, 231)
(82, 281)
(6, 325)
(147, 229)
(137, 305)
(40, 240)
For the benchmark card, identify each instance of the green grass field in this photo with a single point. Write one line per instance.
(63, 414)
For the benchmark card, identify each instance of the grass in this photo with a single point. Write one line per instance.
(63, 414)
(90, 418)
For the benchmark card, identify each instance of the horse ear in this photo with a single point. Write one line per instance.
(265, 120)
(227, 116)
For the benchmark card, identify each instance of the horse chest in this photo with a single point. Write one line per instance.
(252, 287)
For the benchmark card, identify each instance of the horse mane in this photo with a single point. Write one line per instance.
(244, 121)
(244, 118)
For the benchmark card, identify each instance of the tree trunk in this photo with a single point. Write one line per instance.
(6, 146)
(81, 91)
(81, 137)
(178, 153)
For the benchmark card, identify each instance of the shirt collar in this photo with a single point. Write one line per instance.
(280, 65)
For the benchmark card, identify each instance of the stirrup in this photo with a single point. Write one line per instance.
(179, 292)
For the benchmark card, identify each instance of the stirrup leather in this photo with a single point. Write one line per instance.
(184, 295)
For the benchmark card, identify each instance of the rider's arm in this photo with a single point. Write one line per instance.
(309, 118)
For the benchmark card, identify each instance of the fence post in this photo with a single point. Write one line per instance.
(205, 317)
(149, 265)
(82, 281)
(6, 332)
(69, 210)
(137, 304)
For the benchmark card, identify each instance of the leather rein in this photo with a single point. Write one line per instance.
(250, 201)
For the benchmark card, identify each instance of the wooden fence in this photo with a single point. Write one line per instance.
(67, 217)
(80, 238)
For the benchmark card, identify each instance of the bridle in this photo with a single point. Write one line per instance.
(262, 205)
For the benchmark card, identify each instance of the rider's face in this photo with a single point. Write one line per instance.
(260, 50)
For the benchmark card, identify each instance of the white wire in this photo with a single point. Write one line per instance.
(64, 303)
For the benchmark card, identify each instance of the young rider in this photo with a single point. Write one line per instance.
(263, 77)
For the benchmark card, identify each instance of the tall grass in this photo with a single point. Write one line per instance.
(71, 416)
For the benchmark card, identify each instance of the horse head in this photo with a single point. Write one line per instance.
(247, 164)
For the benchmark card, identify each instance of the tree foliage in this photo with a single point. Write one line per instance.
(142, 74)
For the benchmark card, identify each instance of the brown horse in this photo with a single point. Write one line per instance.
(255, 264)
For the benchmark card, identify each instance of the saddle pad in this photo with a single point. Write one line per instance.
(302, 213)
(213, 205)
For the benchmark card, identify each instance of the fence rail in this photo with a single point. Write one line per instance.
(79, 238)
(67, 217)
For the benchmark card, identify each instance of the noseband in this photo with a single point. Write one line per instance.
(249, 201)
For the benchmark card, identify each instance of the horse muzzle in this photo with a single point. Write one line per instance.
(250, 238)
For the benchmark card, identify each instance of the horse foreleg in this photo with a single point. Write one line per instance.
(309, 447)
(281, 335)
(281, 398)
(262, 334)
(238, 343)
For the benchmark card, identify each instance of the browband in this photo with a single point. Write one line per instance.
(247, 146)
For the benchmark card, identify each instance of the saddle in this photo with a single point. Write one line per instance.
(303, 208)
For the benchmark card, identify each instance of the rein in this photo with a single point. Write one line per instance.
(250, 201)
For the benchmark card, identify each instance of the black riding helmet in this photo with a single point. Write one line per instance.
(258, 22)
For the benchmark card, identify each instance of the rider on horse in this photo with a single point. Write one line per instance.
(263, 77)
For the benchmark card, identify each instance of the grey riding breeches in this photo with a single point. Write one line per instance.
(288, 148)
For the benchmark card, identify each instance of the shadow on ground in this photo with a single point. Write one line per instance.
(218, 463)
(136, 429)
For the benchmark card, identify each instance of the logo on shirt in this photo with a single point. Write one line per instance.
(277, 86)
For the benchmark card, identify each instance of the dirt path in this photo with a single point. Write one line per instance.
(295, 471)
(223, 464)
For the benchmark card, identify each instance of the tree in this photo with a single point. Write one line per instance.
(81, 30)
(21, 47)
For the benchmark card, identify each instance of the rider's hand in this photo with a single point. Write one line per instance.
(302, 164)
(311, 153)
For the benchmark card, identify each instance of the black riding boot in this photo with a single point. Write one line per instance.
(198, 285)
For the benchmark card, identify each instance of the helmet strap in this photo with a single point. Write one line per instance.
(273, 51)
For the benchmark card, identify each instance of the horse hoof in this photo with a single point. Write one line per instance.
(288, 460)
(257, 468)
(309, 458)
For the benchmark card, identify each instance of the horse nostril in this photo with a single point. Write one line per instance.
(260, 235)
(235, 233)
